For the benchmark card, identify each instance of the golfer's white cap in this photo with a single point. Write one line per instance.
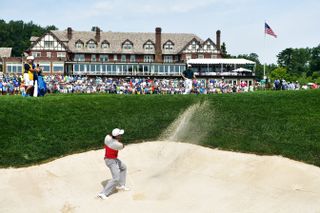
(116, 132)
(30, 57)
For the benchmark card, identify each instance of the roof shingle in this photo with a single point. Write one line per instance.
(116, 39)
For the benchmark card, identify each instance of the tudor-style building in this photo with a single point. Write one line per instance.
(117, 53)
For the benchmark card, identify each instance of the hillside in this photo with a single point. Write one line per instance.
(271, 123)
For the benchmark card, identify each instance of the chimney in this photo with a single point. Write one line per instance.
(69, 33)
(218, 35)
(158, 50)
(98, 32)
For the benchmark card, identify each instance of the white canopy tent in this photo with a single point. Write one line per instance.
(223, 65)
(241, 69)
(236, 61)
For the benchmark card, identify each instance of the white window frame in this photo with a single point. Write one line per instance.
(91, 45)
(93, 57)
(36, 54)
(48, 44)
(123, 58)
(168, 59)
(61, 54)
(79, 57)
(104, 58)
(105, 45)
(127, 45)
(79, 44)
(148, 58)
(168, 45)
(133, 58)
(148, 46)
(49, 54)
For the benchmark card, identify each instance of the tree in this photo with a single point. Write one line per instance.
(16, 34)
(224, 52)
(315, 59)
(279, 73)
(296, 61)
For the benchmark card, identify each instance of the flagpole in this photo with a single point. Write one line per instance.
(264, 44)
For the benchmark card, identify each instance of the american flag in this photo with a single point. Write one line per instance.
(268, 30)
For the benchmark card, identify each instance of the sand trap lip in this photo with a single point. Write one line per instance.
(165, 177)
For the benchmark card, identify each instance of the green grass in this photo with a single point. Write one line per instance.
(35, 130)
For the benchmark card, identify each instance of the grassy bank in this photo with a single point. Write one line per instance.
(36, 129)
(275, 123)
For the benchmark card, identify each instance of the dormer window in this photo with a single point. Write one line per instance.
(79, 44)
(105, 45)
(91, 44)
(194, 45)
(127, 45)
(208, 45)
(168, 45)
(148, 45)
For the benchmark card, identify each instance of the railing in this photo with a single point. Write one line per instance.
(152, 73)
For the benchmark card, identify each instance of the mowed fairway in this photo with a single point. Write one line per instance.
(36, 130)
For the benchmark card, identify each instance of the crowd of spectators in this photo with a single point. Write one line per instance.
(13, 84)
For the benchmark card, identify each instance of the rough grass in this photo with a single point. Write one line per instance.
(35, 130)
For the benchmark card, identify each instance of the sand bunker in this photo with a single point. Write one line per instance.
(165, 177)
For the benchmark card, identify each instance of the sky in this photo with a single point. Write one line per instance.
(241, 22)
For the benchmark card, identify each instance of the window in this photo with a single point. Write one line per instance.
(49, 54)
(168, 45)
(200, 56)
(36, 54)
(79, 57)
(115, 57)
(14, 68)
(91, 44)
(208, 46)
(48, 44)
(188, 57)
(45, 67)
(104, 58)
(93, 58)
(168, 59)
(58, 67)
(127, 45)
(193, 45)
(61, 54)
(105, 45)
(123, 58)
(79, 44)
(148, 58)
(132, 58)
(148, 46)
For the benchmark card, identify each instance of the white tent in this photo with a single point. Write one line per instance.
(242, 70)
(220, 61)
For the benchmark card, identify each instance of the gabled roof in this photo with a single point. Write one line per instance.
(199, 41)
(117, 38)
(209, 39)
(35, 40)
(5, 52)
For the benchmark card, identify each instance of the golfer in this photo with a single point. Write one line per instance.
(188, 75)
(117, 168)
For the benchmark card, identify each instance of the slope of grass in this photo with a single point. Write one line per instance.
(34, 130)
(274, 123)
